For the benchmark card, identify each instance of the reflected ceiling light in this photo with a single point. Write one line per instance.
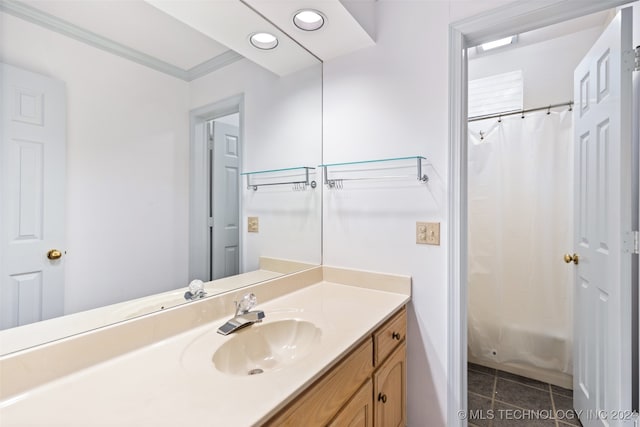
(497, 43)
(264, 41)
(308, 19)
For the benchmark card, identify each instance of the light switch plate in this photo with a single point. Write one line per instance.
(252, 224)
(428, 233)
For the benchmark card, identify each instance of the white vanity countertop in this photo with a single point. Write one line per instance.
(167, 384)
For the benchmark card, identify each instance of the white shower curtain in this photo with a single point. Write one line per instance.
(520, 225)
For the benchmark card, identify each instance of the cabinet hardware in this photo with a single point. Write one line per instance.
(395, 336)
(382, 398)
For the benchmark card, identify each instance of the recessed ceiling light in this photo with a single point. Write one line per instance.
(264, 41)
(308, 20)
(497, 43)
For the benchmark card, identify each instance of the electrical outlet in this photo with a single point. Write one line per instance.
(252, 224)
(428, 233)
(421, 233)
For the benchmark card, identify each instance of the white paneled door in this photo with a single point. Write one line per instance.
(603, 239)
(32, 197)
(225, 200)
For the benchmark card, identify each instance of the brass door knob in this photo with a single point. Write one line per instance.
(568, 258)
(54, 254)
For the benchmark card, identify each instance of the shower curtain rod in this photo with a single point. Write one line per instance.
(523, 112)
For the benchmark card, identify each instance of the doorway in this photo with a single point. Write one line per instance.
(512, 19)
(223, 134)
(215, 205)
(520, 201)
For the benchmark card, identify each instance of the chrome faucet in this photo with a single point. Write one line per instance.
(196, 290)
(243, 317)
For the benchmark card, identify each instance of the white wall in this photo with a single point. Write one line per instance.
(392, 100)
(548, 81)
(388, 101)
(290, 221)
(127, 160)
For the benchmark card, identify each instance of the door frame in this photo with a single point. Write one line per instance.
(198, 180)
(513, 18)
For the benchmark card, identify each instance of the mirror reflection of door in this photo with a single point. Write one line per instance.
(32, 188)
(224, 196)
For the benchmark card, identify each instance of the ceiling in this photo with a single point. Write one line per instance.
(341, 33)
(231, 22)
(161, 35)
(188, 39)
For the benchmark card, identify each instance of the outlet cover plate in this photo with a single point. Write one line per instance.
(428, 233)
(252, 224)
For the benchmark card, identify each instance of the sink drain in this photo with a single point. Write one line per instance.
(255, 371)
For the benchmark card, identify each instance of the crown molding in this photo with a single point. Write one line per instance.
(36, 16)
(525, 15)
(215, 63)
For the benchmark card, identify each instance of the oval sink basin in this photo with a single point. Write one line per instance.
(267, 347)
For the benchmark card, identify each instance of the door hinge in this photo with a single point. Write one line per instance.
(210, 143)
(210, 221)
(631, 242)
(637, 59)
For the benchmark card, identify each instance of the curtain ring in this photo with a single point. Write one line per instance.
(549, 110)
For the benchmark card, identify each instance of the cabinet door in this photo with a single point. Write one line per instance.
(320, 402)
(390, 397)
(359, 411)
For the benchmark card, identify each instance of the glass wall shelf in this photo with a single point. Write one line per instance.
(334, 182)
(278, 174)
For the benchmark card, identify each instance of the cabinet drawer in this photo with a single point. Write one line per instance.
(319, 404)
(389, 335)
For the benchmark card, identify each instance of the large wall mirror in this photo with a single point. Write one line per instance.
(134, 162)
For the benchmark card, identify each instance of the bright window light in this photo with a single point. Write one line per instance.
(497, 43)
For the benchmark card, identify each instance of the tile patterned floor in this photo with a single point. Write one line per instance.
(500, 399)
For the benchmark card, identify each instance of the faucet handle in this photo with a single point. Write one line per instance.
(246, 303)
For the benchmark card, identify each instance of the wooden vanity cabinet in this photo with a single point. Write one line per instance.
(367, 388)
